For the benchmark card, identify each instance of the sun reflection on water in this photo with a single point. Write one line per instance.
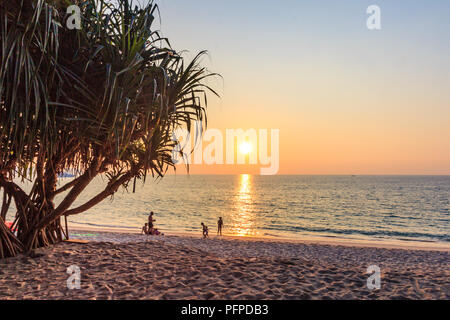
(243, 218)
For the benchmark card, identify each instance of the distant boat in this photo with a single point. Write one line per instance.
(66, 175)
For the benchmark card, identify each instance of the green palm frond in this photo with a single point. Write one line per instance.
(115, 88)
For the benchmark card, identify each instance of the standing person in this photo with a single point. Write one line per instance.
(151, 227)
(219, 226)
(205, 231)
(150, 220)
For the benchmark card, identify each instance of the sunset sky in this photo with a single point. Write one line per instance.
(347, 100)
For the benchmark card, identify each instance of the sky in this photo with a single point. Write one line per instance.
(346, 99)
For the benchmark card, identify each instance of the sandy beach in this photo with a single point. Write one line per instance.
(132, 266)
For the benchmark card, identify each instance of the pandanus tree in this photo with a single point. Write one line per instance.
(104, 99)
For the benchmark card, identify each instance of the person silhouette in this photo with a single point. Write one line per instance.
(219, 226)
(145, 229)
(205, 231)
(150, 220)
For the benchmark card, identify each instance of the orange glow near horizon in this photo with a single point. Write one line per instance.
(347, 147)
(347, 100)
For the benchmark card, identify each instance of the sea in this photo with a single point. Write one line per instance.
(413, 208)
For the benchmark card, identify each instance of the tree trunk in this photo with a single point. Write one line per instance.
(28, 236)
(32, 236)
(38, 221)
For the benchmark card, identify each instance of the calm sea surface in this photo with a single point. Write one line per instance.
(383, 207)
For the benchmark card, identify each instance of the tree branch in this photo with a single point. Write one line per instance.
(12, 189)
(5, 205)
(109, 190)
(70, 198)
(68, 185)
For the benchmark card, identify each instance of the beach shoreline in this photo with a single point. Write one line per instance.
(336, 241)
(133, 266)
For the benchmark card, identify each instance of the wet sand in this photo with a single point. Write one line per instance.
(132, 266)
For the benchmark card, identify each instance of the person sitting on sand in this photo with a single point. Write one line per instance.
(205, 231)
(156, 232)
(145, 229)
(219, 226)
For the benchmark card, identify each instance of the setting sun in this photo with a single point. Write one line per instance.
(245, 148)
